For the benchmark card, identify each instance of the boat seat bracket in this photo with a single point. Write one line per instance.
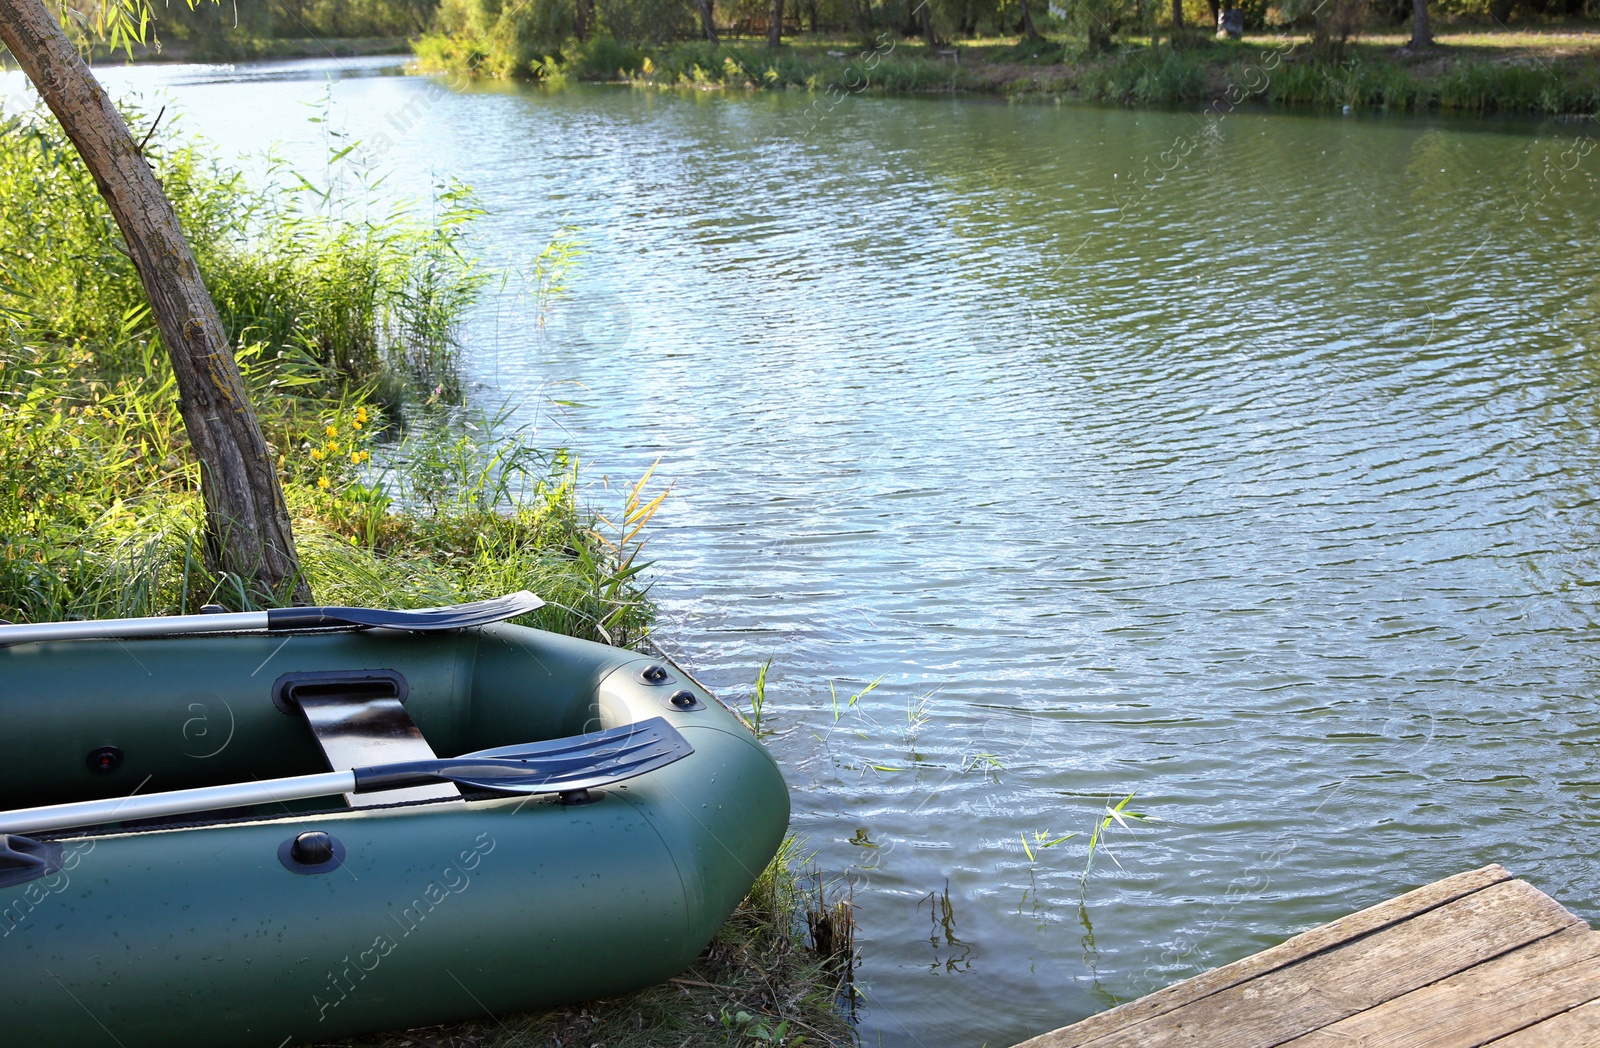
(359, 719)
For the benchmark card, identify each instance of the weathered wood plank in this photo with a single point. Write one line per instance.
(1332, 984)
(1542, 979)
(1580, 1026)
(1292, 951)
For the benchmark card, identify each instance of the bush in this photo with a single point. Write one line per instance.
(604, 58)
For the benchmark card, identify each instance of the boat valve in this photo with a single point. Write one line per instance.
(105, 758)
(655, 673)
(314, 851)
(685, 701)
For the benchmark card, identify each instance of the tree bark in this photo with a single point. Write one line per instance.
(247, 522)
(582, 15)
(1421, 33)
(1177, 18)
(1028, 31)
(775, 26)
(708, 24)
(925, 14)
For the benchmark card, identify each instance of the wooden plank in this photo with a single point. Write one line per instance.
(1292, 951)
(1579, 1026)
(1468, 1010)
(1333, 984)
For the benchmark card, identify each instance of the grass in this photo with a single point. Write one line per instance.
(335, 314)
(1554, 71)
(776, 974)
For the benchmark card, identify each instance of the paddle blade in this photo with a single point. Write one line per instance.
(578, 763)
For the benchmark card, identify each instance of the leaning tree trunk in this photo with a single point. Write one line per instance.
(247, 523)
(775, 26)
(1421, 33)
(708, 24)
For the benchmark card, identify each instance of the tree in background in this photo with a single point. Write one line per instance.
(1421, 34)
(1097, 21)
(775, 26)
(1030, 33)
(248, 532)
(708, 24)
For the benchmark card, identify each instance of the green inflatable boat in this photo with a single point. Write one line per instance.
(300, 825)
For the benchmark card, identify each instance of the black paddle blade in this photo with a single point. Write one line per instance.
(420, 620)
(580, 762)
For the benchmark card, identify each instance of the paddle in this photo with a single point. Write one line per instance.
(280, 620)
(559, 766)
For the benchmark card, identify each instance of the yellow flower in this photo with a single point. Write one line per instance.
(356, 424)
(355, 456)
(333, 431)
(333, 445)
(322, 482)
(361, 414)
(316, 455)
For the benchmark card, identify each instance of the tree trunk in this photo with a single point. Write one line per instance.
(1028, 31)
(708, 24)
(926, 15)
(1216, 13)
(1421, 34)
(247, 523)
(1177, 18)
(582, 15)
(775, 26)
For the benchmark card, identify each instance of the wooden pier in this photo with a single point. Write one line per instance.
(1476, 959)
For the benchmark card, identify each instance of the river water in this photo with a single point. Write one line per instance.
(1257, 481)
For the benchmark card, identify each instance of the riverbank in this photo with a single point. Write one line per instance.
(1469, 71)
(236, 47)
(401, 496)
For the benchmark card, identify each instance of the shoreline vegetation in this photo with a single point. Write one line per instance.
(1548, 71)
(1556, 72)
(342, 317)
(1342, 55)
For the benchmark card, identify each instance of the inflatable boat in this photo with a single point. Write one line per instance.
(276, 827)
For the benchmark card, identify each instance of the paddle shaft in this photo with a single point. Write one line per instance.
(171, 625)
(460, 616)
(176, 802)
(156, 626)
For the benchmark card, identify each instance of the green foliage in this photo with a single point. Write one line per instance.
(100, 513)
(604, 58)
(1097, 22)
(229, 30)
(756, 720)
(537, 39)
(356, 298)
(1464, 85)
